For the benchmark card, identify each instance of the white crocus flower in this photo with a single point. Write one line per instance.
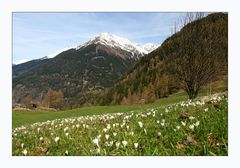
(124, 143)
(131, 133)
(197, 123)
(66, 152)
(106, 136)
(22, 145)
(111, 143)
(41, 139)
(24, 152)
(56, 139)
(96, 141)
(114, 134)
(191, 127)
(65, 129)
(98, 150)
(145, 131)
(191, 117)
(206, 109)
(117, 144)
(140, 124)
(183, 123)
(178, 127)
(159, 134)
(136, 145)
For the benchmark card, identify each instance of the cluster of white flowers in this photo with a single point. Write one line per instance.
(116, 130)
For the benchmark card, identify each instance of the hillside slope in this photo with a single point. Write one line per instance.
(154, 75)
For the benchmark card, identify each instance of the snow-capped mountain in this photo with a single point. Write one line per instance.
(115, 41)
(119, 42)
(92, 66)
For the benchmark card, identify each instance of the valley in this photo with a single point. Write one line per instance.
(110, 96)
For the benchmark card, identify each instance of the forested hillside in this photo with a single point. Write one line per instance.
(189, 60)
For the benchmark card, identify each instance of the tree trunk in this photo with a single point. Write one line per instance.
(193, 95)
(192, 91)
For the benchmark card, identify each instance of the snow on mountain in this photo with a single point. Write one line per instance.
(112, 40)
(119, 42)
(149, 47)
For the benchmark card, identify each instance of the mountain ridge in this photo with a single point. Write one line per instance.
(93, 66)
(105, 38)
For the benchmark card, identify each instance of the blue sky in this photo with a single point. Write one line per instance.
(36, 35)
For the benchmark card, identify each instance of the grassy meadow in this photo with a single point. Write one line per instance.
(20, 118)
(170, 126)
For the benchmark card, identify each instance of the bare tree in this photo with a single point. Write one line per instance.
(27, 101)
(197, 59)
(54, 99)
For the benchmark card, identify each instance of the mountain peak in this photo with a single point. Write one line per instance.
(109, 39)
(106, 35)
(115, 41)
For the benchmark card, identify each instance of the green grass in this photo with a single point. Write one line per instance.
(28, 117)
(188, 128)
(20, 118)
